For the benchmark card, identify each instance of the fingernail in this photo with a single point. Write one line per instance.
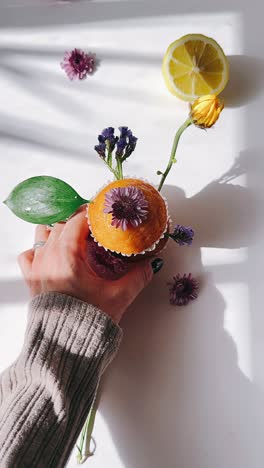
(157, 264)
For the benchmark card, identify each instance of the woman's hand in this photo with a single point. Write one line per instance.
(61, 265)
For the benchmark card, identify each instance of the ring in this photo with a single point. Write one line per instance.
(38, 244)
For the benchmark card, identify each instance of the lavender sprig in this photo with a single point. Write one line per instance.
(101, 149)
(123, 145)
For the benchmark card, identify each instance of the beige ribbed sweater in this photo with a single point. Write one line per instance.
(45, 396)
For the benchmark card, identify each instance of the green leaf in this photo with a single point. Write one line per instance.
(44, 200)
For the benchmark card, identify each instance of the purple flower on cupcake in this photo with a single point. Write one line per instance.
(127, 205)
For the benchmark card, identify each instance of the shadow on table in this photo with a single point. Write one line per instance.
(81, 12)
(175, 396)
(24, 68)
(245, 81)
(13, 291)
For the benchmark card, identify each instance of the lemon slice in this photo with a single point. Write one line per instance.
(195, 65)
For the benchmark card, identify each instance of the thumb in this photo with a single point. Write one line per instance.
(137, 279)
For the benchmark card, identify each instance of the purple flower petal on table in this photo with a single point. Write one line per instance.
(182, 235)
(183, 289)
(77, 64)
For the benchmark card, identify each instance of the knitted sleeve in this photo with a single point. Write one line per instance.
(45, 396)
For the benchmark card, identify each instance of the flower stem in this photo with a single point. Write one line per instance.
(84, 450)
(119, 168)
(109, 159)
(111, 169)
(87, 445)
(172, 159)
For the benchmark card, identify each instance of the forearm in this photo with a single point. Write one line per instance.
(47, 393)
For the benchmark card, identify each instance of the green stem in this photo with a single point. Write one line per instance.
(119, 168)
(84, 450)
(83, 434)
(172, 159)
(109, 159)
(111, 169)
(87, 446)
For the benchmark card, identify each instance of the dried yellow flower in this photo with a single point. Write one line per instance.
(206, 110)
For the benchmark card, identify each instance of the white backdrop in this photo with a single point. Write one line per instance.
(186, 390)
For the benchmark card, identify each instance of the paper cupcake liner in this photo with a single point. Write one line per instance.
(154, 245)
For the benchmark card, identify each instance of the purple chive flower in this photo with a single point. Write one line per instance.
(183, 289)
(124, 144)
(127, 205)
(104, 263)
(182, 235)
(100, 149)
(120, 146)
(108, 138)
(77, 64)
(132, 141)
(125, 132)
(108, 133)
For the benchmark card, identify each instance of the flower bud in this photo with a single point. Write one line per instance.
(205, 110)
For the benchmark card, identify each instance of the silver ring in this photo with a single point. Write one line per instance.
(38, 244)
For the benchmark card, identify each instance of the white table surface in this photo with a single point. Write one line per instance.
(186, 390)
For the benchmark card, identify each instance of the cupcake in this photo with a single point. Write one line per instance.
(129, 217)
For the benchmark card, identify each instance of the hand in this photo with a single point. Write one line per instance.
(61, 265)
